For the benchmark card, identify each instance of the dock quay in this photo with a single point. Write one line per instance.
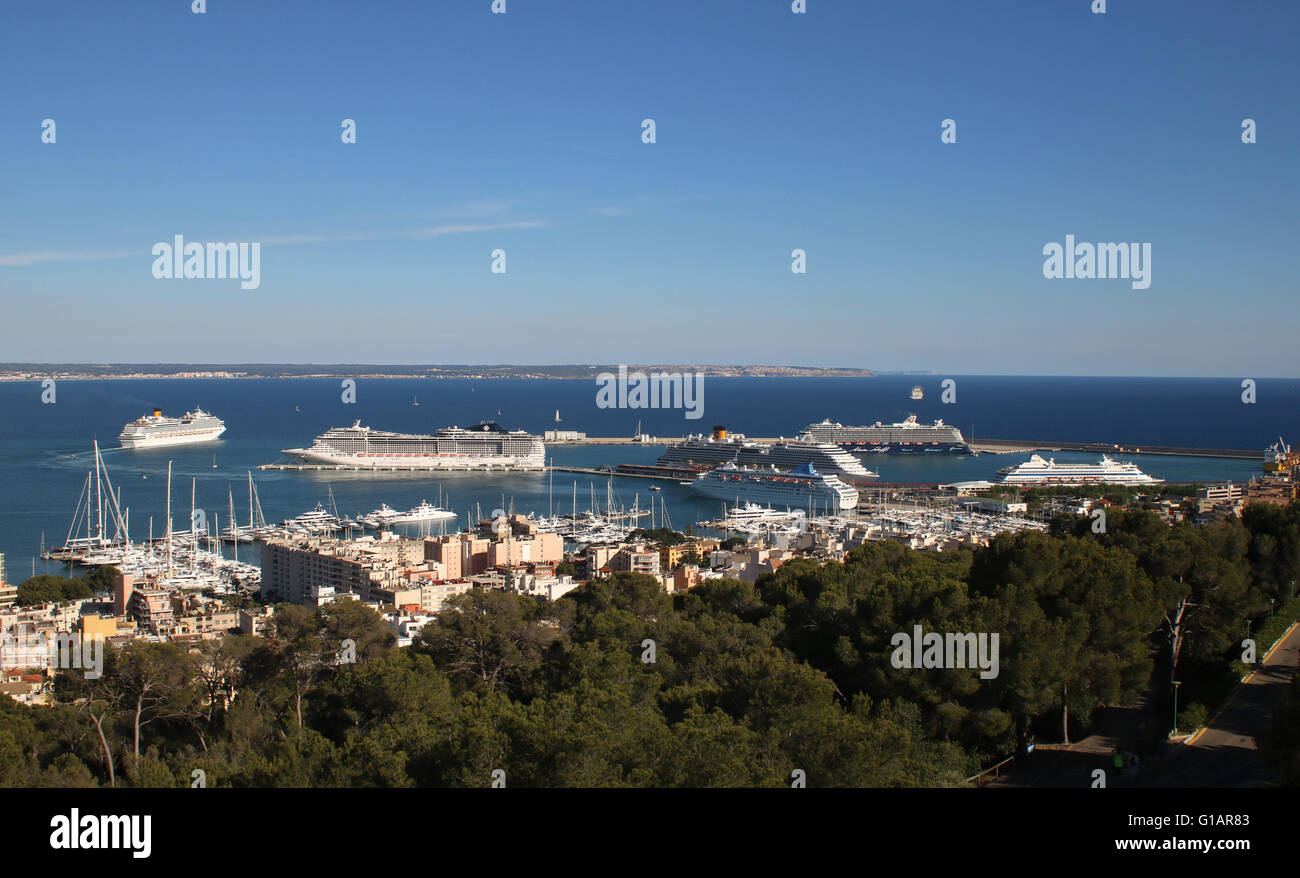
(1004, 446)
(988, 446)
(622, 473)
(340, 468)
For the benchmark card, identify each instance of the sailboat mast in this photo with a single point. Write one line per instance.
(99, 499)
(169, 518)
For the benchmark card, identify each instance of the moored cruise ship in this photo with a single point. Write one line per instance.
(720, 448)
(1040, 471)
(154, 430)
(905, 437)
(801, 488)
(486, 446)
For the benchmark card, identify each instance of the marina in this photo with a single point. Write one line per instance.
(287, 413)
(100, 535)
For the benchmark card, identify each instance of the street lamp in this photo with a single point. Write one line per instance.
(1177, 683)
(1270, 607)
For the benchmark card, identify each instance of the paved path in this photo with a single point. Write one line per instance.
(1224, 754)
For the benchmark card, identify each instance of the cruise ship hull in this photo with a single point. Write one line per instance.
(481, 448)
(905, 437)
(905, 447)
(737, 492)
(1077, 481)
(165, 441)
(438, 462)
(1038, 472)
(785, 457)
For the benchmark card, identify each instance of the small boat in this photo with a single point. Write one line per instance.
(415, 401)
(214, 461)
(917, 393)
(655, 488)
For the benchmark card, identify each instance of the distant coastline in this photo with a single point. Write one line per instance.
(85, 372)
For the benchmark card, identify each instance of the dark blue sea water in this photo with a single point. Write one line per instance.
(44, 449)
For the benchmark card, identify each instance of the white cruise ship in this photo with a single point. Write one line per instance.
(483, 447)
(155, 431)
(905, 437)
(802, 488)
(721, 448)
(1040, 471)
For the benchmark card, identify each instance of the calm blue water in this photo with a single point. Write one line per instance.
(40, 479)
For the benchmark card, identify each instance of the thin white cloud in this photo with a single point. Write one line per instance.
(463, 229)
(13, 260)
(276, 241)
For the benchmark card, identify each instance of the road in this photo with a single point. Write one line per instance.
(1222, 755)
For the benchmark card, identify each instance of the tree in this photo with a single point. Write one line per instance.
(48, 589)
(98, 699)
(488, 639)
(151, 679)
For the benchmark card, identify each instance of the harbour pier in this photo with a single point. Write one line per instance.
(989, 446)
(1008, 446)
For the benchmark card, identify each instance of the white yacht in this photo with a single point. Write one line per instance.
(423, 512)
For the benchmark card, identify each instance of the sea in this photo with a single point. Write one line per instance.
(46, 447)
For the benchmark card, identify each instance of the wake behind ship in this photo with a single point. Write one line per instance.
(486, 446)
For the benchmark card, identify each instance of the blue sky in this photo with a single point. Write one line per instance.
(775, 131)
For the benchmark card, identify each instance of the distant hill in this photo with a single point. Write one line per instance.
(29, 371)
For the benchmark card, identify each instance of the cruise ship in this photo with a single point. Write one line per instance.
(720, 448)
(154, 430)
(906, 437)
(803, 487)
(1038, 471)
(486, 446)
